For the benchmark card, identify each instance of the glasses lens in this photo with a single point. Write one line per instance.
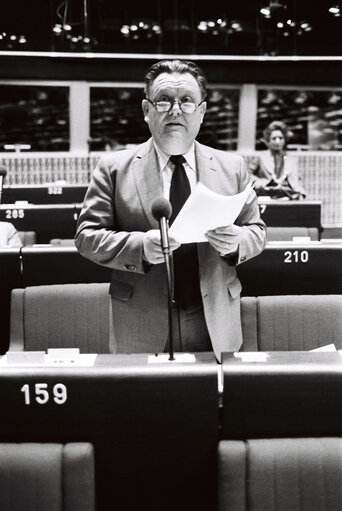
(163, 106)
(188, 107)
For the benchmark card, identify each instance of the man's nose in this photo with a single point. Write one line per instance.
(175, 109)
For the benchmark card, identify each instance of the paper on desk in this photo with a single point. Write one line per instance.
(205, 210)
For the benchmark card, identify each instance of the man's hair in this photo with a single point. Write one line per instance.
(276, 125)
(176, 66)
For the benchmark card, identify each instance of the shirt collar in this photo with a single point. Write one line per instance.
(163, 158)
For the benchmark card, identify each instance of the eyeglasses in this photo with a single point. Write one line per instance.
(187, 107)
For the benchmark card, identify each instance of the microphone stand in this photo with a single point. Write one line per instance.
(163, 224)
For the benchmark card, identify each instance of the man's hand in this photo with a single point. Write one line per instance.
(225, 239)
(152, 249)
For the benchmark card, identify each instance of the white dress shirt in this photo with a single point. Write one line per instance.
(166, 168)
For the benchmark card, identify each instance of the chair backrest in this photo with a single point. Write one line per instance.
(28, 237)
(47, 477)
(288, 474)
(61, 316)
(288, 233)
(292, 322)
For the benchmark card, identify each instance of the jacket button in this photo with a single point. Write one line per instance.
(130, 267)
(243, 258)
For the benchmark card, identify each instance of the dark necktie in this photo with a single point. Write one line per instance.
(185, 258)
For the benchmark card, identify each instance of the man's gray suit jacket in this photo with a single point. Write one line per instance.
(115, 215)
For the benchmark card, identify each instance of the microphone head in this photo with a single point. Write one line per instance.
(3, 171)
(161, 208)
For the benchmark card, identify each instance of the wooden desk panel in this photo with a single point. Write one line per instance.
(154, 427)
(282, 213)
(59, 265)
(52, 193)
(48, 221)
(291, 268)
(290, 394)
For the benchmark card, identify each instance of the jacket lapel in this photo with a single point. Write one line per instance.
(145, 169)
(207, 168)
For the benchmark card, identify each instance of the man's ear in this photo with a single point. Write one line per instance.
(145, 108)
(203, 108)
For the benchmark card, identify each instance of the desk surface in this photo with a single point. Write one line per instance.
(290, 394)
(154, 426)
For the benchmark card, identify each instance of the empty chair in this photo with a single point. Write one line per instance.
(61, 316)
(47, 477)
(28, 237)
(291, 322)
(288, 474)
(288, 233)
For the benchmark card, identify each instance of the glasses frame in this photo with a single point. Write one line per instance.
(154, 103)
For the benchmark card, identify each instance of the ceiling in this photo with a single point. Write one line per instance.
(293, 27)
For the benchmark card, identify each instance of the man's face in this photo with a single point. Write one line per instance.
(174, 131)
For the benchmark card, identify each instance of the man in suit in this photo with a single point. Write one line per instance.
(116, 227)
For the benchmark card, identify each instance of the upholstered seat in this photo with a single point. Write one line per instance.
(47, 477)
(293, 322)
(61, 316)
(288, 474)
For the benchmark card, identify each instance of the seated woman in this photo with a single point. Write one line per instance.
(274, 172)
(9, 236)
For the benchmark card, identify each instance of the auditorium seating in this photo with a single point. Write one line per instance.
(78, 315)
(61, 316)
(47, 477)
(294, 322)
(288, 474)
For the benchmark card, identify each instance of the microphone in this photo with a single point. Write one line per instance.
(161, 211)
(3, 172)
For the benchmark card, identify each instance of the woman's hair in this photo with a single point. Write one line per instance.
(273, 126)
(176, 66)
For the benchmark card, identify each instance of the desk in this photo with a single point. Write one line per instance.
(10, 278)
(291, 394)
(295, 213)
(48, 221)
(291, 268)
(59, 265)
(154, 426)
(52, 193)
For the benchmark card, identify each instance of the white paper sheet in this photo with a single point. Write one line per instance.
(205, 210)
